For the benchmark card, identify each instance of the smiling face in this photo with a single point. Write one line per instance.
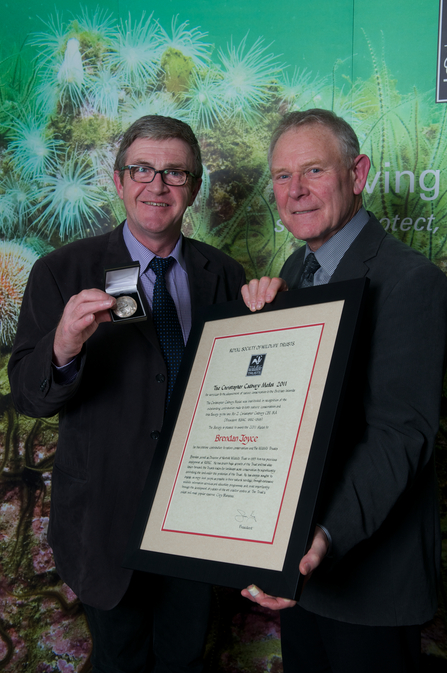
(316, 192)
(155, 210)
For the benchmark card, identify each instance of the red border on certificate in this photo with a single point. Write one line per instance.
(216, 340)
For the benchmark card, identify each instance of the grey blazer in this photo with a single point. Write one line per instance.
(111, 415)
(379, 502)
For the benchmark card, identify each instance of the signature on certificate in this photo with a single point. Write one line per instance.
(242, 517)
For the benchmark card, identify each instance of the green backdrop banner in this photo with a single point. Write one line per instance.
(72, 78)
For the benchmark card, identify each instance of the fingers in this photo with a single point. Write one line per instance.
(309, 562)
(256, 595)
(257, 293)
(316, 553)
(79, 321)
(83, 309)
(253, 593)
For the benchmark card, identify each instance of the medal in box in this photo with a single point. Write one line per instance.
(121, 283)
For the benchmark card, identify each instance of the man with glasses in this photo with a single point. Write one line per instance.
(110, 385)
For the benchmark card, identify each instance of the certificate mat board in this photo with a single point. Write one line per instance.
(231, 495)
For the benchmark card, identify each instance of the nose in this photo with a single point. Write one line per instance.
(157, 186)
(297, 186)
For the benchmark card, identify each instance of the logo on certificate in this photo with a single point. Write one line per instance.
(256, 365)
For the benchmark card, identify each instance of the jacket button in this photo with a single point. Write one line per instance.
(43, 385)
(160, 378)
(155, 434)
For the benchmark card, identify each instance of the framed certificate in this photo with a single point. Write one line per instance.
(232, 494)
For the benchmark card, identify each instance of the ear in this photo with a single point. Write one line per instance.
(360, 170)
(118, 183)
(195, 191)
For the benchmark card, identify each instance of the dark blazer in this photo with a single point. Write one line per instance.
(111, 415)
(379, 502)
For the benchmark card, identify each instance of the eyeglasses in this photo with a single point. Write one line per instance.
(146, 174)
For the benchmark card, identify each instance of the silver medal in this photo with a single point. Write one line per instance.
(125, 307)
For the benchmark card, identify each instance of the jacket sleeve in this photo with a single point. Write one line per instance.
(401, 402)
(35, 393)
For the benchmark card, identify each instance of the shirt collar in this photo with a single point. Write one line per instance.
(144, 256)
(331, 252)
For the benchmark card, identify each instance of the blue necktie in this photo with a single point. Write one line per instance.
(166, 322)
(310, 266)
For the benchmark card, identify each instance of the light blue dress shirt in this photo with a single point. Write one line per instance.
(331, 252)
(176, 277)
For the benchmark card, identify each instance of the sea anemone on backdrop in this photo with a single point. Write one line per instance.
(204, 99)
(155, 104)
(104, 93)
(246, 78)
(16, 261)
(302, 90)
(187, 41)
(71, 199)
(134, 52)
(102, 158)
(50, 45)
(7, 214)
(18, 200)
(64, 80)
(100, 24)
(353, 107)
(70, 75)
(33, 151)
(47, 93)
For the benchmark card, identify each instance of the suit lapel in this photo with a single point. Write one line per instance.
(202, 283)
(354, 263)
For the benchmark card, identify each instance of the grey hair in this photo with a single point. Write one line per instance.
(345, 134)
(158, 127)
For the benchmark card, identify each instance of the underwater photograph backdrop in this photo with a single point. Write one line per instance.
(73, 77)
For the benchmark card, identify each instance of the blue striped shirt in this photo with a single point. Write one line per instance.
(176, 277)
(331, 252)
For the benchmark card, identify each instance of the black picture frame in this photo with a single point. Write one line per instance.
(286, 580)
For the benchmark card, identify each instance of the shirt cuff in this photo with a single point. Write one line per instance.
(66, 374)
(329, 538)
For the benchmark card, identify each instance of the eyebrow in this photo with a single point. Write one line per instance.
(279, 170)
(168, 165)
(303, 167)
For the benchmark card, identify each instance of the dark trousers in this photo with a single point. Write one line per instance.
(159, 625)
(314, 644)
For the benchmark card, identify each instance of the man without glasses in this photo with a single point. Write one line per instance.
(362, 608)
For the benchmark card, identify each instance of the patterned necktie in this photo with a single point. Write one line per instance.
(166, 322)
(310, 266)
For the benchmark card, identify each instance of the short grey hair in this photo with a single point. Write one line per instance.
(158, 127)
(345, 134)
